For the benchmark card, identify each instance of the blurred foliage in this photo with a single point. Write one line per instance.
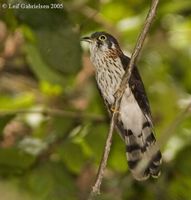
(54, 156)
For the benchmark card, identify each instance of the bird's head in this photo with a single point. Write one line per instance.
(103, 43)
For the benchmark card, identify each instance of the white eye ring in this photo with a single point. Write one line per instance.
(102, 37)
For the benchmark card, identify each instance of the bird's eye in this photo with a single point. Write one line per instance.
(102, 38)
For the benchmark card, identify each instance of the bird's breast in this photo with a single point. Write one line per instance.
(109, 73)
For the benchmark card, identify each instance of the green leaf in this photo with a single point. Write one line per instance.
(14, 161)
(73, 156)
(50, 181)
(57, 47)
(22, 100)
(96, 140)
(38, 65)
(61, 126)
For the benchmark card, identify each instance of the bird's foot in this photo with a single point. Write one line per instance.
(114, 109)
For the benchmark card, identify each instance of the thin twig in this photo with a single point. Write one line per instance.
(137, 49)
(55, 112)
(151, 14)
(103, 163)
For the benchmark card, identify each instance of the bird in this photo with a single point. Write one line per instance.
(134, 120)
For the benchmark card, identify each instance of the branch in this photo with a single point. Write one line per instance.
(55, 112)
(96, 188)
(139, 44)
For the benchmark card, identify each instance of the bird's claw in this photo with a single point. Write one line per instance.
(114, 110)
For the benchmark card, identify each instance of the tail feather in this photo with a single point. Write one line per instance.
(152, 149)
(140, 149)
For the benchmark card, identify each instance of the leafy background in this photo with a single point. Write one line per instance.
(53, 123)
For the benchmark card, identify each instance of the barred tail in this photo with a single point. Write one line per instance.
(143, 154)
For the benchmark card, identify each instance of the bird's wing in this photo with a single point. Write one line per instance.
(138, 89)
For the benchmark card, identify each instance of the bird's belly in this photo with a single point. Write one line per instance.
(131, 114)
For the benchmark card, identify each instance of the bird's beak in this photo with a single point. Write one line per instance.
(86, 39)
